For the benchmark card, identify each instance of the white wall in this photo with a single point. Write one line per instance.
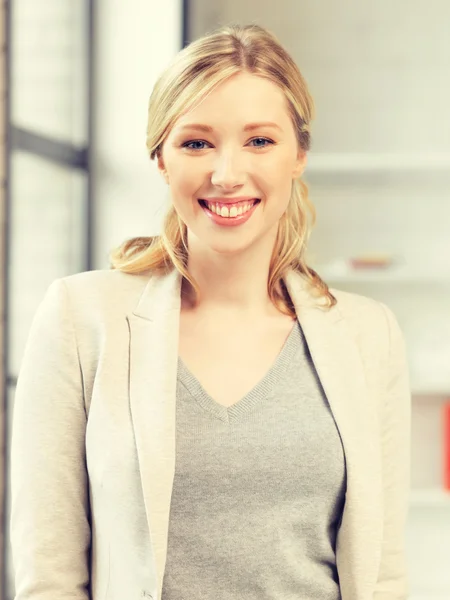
(135, 41)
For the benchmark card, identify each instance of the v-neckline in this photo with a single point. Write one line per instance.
(259, 391)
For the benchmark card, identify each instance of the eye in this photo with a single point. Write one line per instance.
(264, 140)
(189, 146)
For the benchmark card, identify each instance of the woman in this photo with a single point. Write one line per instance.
(207, 419)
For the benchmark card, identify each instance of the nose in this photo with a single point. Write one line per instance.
(227, 172)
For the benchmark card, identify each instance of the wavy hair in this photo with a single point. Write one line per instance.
(194, 73)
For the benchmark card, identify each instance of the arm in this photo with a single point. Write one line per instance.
(392, 583)
(50, 532)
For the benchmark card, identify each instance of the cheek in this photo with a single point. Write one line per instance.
(185, 184)
(276, 166)
(277, 178)
(277, 182)
(186, 176)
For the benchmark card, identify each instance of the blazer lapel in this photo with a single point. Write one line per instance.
(341, 372)
(154, 331)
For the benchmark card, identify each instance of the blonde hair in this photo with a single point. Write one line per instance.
(190, 77)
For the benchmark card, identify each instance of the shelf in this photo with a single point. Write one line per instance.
(396, 274)
(430, 498)
(431, 596)
(427, 392)
(341, 162)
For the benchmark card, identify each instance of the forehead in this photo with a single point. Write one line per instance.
(241, 98)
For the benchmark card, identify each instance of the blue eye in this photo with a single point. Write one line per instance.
(188, 145)
(264, 140)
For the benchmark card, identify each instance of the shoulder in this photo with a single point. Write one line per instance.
(363, 312)
(101, 280)
(103, 291)
(372, 324)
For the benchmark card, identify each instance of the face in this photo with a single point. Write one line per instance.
(230, 158)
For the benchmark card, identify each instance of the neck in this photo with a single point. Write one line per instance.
(231, 283)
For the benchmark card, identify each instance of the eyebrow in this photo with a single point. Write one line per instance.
(248, 127)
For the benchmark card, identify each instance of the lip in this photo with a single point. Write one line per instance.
(229, 200)
(228, 221)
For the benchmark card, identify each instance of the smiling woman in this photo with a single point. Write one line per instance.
(207, 420)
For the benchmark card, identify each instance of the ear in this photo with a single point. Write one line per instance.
(300, 164)
(162, 168)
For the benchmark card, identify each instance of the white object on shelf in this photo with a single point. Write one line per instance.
(341, 162)
(430, 498)
(344, 273)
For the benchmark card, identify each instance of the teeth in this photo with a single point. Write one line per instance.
(234, 211)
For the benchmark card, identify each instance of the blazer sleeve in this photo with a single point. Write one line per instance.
(392, 583)
(49, 527)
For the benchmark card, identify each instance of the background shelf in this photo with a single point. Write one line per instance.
(430, 498)
(395, 274)
(428, 393)
(368, 162)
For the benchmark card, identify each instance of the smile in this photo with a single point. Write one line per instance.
(224, 214)
(229, 210)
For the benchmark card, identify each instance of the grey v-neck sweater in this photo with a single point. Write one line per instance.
(259, 489)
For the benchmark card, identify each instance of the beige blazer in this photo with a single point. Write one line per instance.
(93, 442)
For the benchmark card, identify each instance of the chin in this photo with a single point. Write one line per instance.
(231, 241)
(231, 245)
